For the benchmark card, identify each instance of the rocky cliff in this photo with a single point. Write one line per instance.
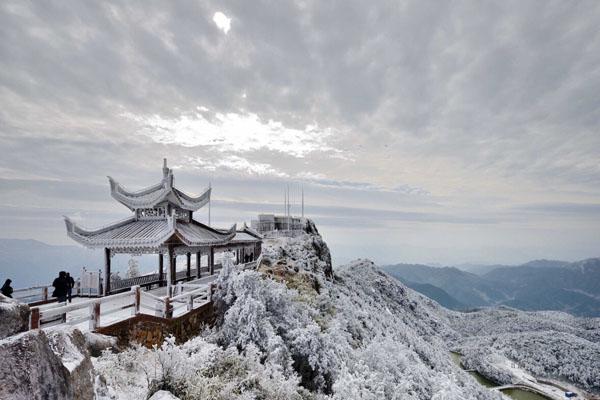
(14, 317)
(51, 364)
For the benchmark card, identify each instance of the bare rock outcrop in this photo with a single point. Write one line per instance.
(14, 317)
(52, 364)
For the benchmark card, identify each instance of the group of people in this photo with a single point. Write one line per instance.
(63, 287)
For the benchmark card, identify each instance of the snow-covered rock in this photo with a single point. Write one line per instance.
(307, 252)
(96, 343)
(163, 395)
(14, 317)
(51, 364)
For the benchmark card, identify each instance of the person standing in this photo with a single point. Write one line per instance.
(61, 286)
(7, 290)
(71, 285)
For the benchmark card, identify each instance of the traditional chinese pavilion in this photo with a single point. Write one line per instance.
(163, 223)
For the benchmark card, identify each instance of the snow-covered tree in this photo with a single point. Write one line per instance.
(133, 268)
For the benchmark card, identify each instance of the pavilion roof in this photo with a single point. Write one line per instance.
(245, 234)
(162, 192)
(130, 234)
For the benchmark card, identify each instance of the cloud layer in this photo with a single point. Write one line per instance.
(469, 120)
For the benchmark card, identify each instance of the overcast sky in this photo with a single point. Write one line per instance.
(432, 132)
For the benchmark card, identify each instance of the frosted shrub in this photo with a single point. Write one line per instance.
(265, 314)
(195, 370)
(128, 373)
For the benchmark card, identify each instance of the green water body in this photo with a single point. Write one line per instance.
(516, 394)
(519, 394)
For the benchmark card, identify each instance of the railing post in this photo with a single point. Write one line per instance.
(34, 318)
(45, 293)
(158, 311)
(179, 289)
(190, 305)
(136, 299)
(168, 310)
(211, 288)
(94, 315)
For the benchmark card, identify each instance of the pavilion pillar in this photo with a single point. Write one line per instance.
(188, 272)
(106, 271)
(211, 261)
(257, 250)
(198, 264)
(161, 272)
(170, 271)
(174, 269)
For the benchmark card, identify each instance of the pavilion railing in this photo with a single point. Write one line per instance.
(142, 280)
(153, 278)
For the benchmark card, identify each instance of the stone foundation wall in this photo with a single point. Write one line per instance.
(150, 330)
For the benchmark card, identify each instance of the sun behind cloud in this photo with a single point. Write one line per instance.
(222, 21)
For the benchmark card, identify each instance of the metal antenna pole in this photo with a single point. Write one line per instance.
(286, 206)
(302, 201)
(284, 201)
(284, 224)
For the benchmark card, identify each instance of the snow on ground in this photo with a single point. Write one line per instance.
(163, 395)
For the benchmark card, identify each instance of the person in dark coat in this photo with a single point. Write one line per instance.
(71, 283)
(61, 286)
(7, 290)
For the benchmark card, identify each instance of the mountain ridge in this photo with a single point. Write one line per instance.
(537, 285)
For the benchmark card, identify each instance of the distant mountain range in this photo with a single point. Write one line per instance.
(30, 262)
(482, 269)
(536, 285)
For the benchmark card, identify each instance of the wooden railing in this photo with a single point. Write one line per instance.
(95, 311)
(32, 294)
(42, 294)
(188, 297)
